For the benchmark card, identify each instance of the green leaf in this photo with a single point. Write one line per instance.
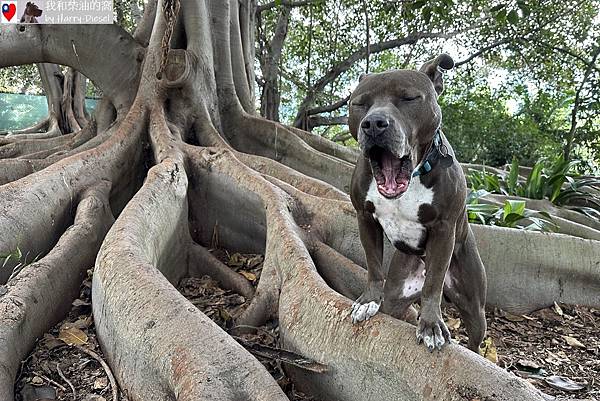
(513, 17)
(473, 196)
(418, 4)
(514, 207)
(426, 14)
(511, 219)
(534, 183)
(482, 208)
(501, 16)
(497, 8)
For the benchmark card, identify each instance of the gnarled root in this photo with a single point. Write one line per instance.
(53, 282)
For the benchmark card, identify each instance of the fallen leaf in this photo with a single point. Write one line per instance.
(513, 318)
(100, 383)
(83, 322)
(527, 365)
(249, 276)
(558, 309)
(254, 261)
(573, 342)
(50, 342)
(37, 381)
(453, 324)
(488, 351)
(3, 290)
(236, 260)
(80, 302)
(564, 383)
(224, 314)
(94, 397)
(72, 335)
(37, 393)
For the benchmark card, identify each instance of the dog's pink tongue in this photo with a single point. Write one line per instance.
(390, 168)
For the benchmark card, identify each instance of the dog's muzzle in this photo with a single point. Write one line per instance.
(384, 146)
(374, 125)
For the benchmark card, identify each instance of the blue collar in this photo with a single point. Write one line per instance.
(437, 153)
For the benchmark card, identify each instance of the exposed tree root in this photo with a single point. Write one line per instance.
(51, 283)
(202, 262)
(52, 132)
(275, 141)
(326, 146)
(141, 319)
(24, 147)
(48, 197)
(528, 270)
(40, 126)
(300, 181)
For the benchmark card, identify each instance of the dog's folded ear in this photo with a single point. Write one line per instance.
(433, 69)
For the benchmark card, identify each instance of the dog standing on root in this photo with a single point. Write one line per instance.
(31, 13)
(408, 185)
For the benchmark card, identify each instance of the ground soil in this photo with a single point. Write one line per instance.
(561, 341)
(39, 377)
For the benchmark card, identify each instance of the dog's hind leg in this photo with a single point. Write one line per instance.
(403, 286)
(465, 286)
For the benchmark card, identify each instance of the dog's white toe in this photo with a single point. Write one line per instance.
(362, 312)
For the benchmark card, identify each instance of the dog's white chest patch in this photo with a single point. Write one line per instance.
(399, 217)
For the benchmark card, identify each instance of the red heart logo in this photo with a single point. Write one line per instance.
(9, 11)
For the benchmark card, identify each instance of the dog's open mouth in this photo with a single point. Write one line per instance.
(392, 174)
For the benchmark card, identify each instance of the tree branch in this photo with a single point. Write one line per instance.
(329, 108)
(483, 50)
(319, 121)
(347, 63)
(285, 3)
(571, 53)
(86, 48)
(577, 103)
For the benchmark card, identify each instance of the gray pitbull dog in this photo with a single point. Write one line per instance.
(408, 185)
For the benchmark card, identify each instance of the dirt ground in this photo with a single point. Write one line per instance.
(557, 349)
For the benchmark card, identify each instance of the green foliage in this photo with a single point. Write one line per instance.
(512, 214)
(540, 68)
(557, 182)
(20, 259)
(486, 181)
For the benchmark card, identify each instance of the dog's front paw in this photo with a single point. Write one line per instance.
(432, 331)
(364, 311)
(367, 305)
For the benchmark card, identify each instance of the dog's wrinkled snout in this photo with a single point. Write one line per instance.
(374, 124)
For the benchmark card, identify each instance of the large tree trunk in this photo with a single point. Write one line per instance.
(270, 189)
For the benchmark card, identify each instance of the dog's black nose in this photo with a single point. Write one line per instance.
(374, 124)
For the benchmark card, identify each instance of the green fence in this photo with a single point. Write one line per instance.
(19, 111)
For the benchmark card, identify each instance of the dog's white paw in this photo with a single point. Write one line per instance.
(362, 312)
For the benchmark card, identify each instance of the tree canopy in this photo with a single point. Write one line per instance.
(536, 79)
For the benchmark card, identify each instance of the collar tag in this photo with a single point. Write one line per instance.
(437, 153)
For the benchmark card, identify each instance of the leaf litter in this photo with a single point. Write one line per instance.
(557, 349)
(263, 342)
(58, 368)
